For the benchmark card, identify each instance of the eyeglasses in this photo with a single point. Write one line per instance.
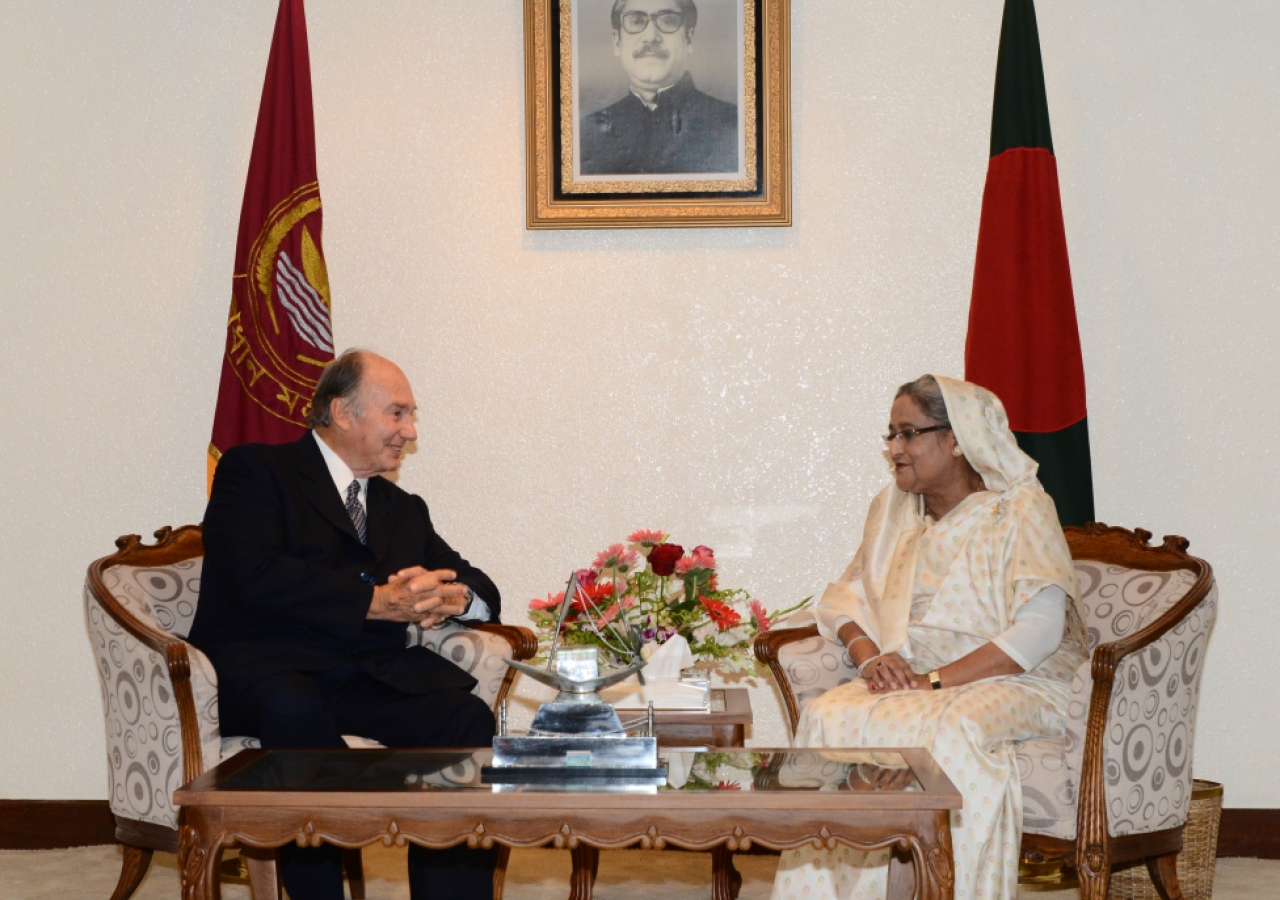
(668, 22)
(909, 434)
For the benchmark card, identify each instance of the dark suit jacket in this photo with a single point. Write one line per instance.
(286, 582)
(689, 132)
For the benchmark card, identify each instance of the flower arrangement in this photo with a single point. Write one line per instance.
(652, 590)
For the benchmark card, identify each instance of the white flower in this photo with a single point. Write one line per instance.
(732, 636)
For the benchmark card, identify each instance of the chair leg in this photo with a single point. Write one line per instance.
(1164, 875)
(501, 859)
(353, 863)
(136, 862)
(1094, 885)
(262, 872)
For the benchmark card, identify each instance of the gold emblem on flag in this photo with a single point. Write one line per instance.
(280, 335)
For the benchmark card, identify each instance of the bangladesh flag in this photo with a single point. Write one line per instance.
(1023, 342)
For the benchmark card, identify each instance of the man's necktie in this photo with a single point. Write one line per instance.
(356, 512)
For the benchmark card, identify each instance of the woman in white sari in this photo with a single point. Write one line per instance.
(959, 611)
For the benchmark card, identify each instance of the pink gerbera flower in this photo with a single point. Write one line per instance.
(617, 559)
(607, 616)
(760, 614)
(646, 539)
(551, 602)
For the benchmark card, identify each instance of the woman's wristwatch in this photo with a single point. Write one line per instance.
(935, 679)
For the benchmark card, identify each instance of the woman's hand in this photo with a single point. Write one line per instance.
(890, 672)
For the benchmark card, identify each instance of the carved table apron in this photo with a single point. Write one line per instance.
(915, 823)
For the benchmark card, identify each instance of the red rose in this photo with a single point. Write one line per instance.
(663, 558)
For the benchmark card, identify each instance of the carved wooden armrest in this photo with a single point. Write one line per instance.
(524, 643)
(767, 646)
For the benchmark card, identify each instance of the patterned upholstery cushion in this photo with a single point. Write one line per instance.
(233, 745)
(1152, 720)
(815, 666)
(482, 654)
(1119, 601)
(163, 596)
(1049, 788)
(144, 738)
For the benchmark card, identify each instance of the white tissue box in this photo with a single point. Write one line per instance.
(662, 694)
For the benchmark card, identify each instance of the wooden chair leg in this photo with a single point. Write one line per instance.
(1094, 885)
(136, 862)
(353, 864)
(263, 872)
(501, 859)
(1164, 875)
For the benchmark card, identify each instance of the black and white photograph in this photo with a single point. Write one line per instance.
(658, 91)
(652, 113)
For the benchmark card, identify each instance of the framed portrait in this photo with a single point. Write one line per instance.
(657, 113)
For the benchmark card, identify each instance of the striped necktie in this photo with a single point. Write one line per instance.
(356, 512)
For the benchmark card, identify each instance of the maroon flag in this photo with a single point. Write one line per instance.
(279, 333)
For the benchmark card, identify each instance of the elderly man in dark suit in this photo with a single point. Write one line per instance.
(664, 125)
(314, 564)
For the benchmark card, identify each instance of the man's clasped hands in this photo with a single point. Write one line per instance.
(426, 597)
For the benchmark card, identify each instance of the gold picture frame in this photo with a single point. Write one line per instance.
(568, 187)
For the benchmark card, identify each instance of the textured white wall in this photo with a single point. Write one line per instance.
(727, 385)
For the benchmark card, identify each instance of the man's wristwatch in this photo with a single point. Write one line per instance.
(935, 679)
(471, 601)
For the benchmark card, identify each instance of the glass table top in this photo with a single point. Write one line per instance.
(695, 769)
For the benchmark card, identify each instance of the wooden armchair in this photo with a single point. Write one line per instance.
(160, 694)
(1117, 788)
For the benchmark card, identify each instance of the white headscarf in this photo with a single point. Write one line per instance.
(981, 427)
(877, 588)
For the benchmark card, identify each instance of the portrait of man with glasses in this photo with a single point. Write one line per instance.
(663, 125)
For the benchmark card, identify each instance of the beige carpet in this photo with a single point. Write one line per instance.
(90, 872)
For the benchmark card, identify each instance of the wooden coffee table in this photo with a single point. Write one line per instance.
(780, 799)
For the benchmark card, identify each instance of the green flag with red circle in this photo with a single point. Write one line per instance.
(1023, 342)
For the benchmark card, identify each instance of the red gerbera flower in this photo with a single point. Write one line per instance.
(600, 593)
(724, 615)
